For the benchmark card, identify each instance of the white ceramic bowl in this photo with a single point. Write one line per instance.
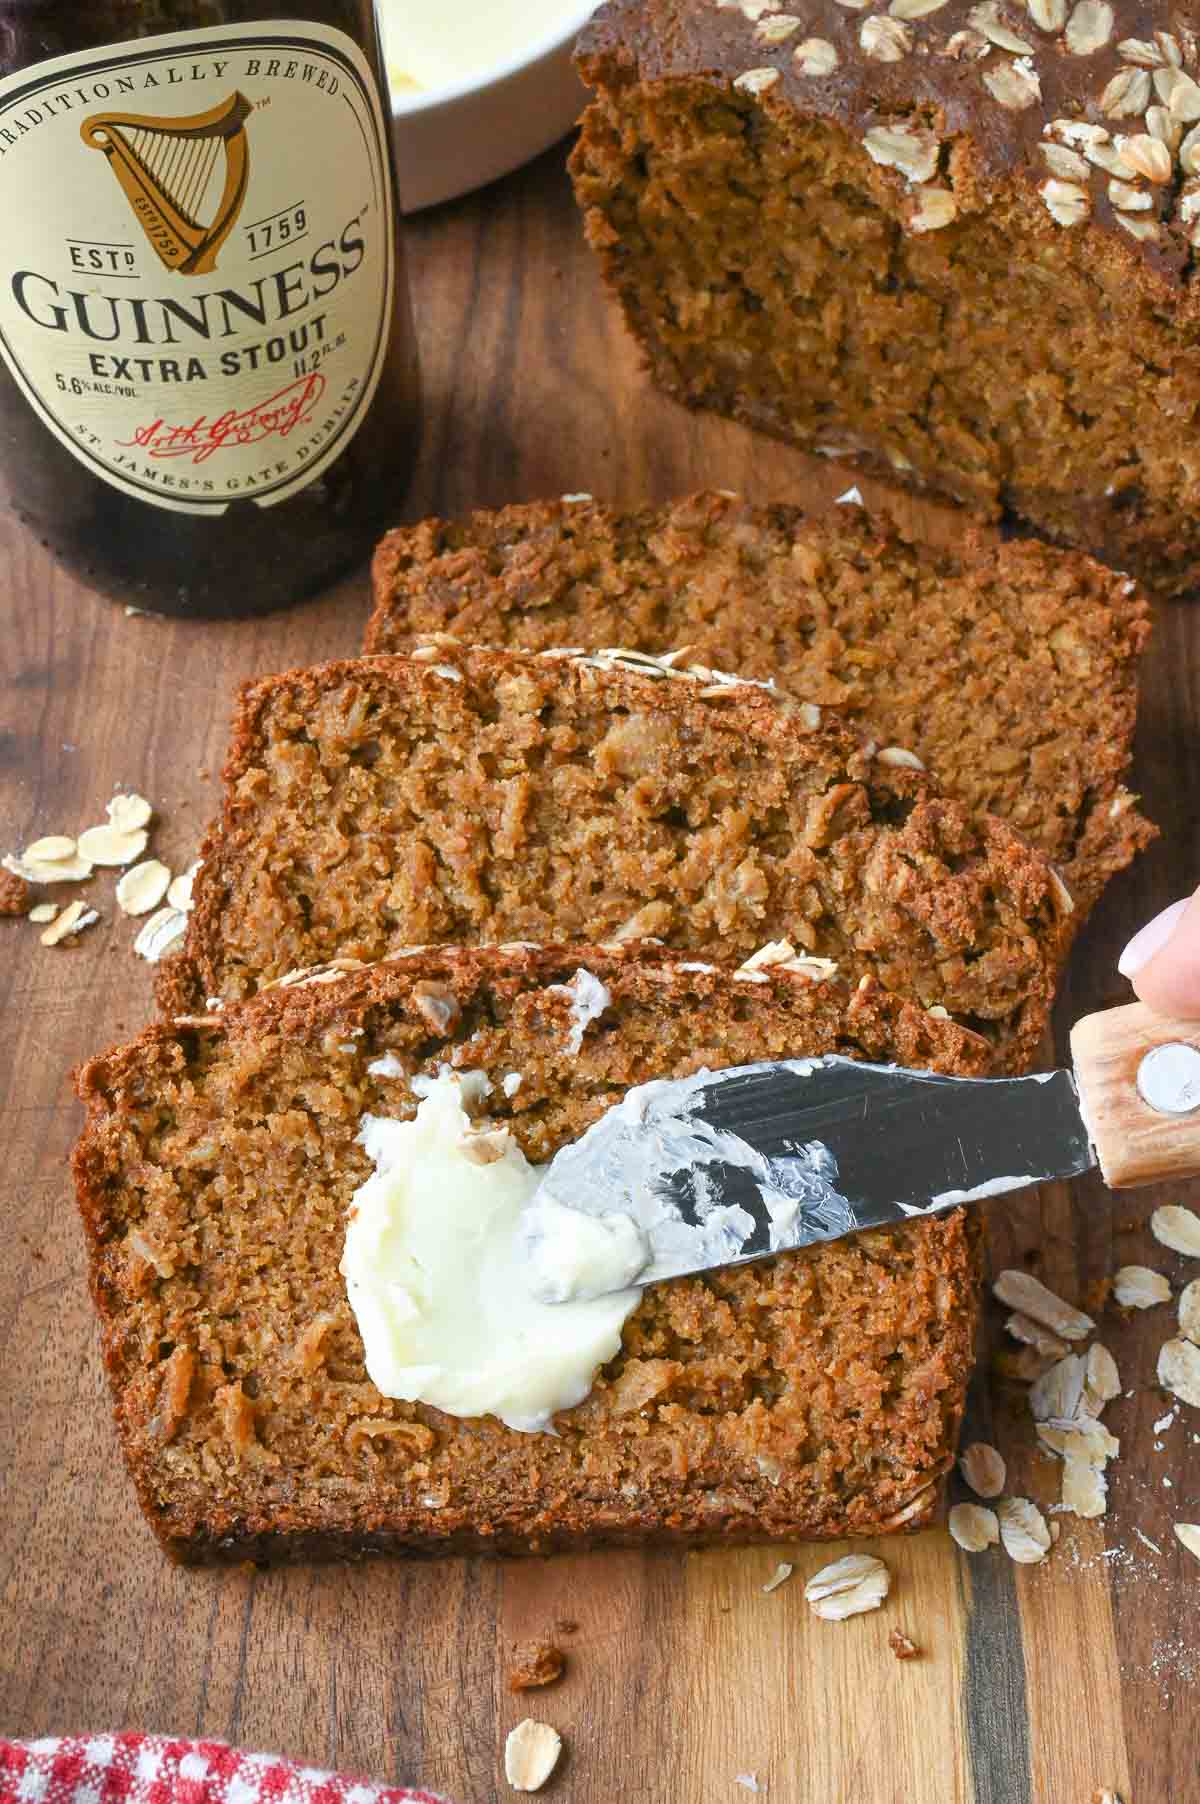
(451, 140)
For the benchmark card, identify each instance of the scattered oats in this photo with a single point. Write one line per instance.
(109, 846)
(160, 934)
(912, 151)
(1147, 1542)
(1048, 15)
(1137, 1287)
(938, 1012)
(778, 29)
(1189, 1312)
(1066, 203)
(1084, 1488)
(1161, 126)
(754, 81)
(1167, 1421)
(45, 911)
(1062, 895)
(143, 887)
(847, 1587)
(886, 40)
(1127, 94)
(1177, 1228)
(1057, 1394)
(854, 6)
(1090, 27)
(1189, 152)
(386, 1065)
(780, 1576)
(972, 1527)
(1102, 1377)
(983, 1468)
(1188, 1533)
(51, 850)
(850, 498)
(531, 1754)
(1032, 1334)
(1184, 98)
(512, 1083)
(1129, 200)
(67, 870)
(815, 56)
(129, 812)
(914, 9)
(900, 756)
(73, 919)
(1023, 1292)
(1105, 1796)
(748, 1781)
(1147, 155)
(1139, 50)
(179, 894)
(986, 20)
(1085, 1440)
(1179, 1370)
(1065, 163)
(1023, 1530)
(967, 43)
(752, 9)
(1014, 85)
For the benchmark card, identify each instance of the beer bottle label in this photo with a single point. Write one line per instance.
(197, 257)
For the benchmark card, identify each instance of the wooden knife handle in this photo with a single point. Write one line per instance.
(1139, 1082)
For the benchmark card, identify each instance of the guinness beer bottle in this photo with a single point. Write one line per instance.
(208, 390)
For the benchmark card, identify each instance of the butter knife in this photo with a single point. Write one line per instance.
(729, 1166)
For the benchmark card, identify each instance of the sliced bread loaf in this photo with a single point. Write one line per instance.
(815, 1394)
(1010, 669)
(464, 796)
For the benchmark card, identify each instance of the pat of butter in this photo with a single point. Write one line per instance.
(441, 1282)
(432, 44)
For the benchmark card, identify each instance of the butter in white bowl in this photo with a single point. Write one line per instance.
(478, 87)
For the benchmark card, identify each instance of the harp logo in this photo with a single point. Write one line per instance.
(184, 178)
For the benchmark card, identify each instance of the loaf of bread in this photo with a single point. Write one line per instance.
(462, 796)
(951, 240)
(1010, 669)
(814, 1394)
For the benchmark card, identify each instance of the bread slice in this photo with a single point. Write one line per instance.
(815, 1394)
(481, 797)
(952, 243)
(1009, 668)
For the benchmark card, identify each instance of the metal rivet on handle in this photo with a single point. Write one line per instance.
(1169, 1079)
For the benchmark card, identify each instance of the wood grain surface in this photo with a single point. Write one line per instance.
(1033, 1684)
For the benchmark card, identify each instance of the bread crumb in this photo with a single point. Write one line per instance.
(536, 1663)
(901, 1646)
(15, 894)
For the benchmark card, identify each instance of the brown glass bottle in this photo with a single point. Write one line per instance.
(208, 387)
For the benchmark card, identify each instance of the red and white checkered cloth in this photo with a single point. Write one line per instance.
(155, 1769)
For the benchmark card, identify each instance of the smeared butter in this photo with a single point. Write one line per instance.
(440, 1281)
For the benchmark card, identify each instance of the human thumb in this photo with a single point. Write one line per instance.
(1162, 961)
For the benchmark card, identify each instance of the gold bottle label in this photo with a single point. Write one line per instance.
(197, 257)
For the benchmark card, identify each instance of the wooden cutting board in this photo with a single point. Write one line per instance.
(1032, 1684)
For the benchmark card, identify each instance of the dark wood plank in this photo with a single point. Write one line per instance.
(1038, 1685)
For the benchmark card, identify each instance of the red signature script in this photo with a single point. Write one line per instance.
(277, 417)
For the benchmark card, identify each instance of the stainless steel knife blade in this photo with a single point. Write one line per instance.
(729, 1166)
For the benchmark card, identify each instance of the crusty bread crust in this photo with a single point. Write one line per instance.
(816, 1394)
(474, 796)
(1009, 667)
